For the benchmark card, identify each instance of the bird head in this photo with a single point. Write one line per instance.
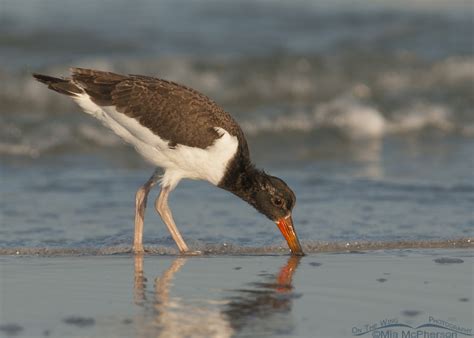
(276, 200)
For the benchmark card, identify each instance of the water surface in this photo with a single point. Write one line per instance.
(325, 295)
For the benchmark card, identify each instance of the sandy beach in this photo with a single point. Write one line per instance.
(320, 295)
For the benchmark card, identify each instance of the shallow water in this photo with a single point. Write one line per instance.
(87, 202)
(324, 295)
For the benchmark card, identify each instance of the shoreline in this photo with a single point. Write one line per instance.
(232, 250)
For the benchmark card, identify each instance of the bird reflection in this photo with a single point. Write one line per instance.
(163, 315)
(167, 316)
(265, 307)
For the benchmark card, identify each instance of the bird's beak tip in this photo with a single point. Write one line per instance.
(285, 224)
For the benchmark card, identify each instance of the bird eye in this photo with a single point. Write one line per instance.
(277, 201)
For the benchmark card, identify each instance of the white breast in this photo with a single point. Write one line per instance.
(179, 162)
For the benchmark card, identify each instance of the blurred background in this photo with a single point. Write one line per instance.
(364, 107)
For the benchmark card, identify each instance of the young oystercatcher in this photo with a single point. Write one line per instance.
(187, 135)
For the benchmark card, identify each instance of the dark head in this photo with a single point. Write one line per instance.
(276, 200)
(268, 194)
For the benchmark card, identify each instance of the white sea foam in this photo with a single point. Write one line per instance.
(357, 120)
(352, 117)
(421, 115)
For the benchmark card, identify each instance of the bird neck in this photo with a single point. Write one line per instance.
(243, 179)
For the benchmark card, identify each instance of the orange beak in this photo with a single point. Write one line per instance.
(285, 224)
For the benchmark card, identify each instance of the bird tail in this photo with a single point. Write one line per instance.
(63, 86)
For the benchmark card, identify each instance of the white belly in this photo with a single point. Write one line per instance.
(179, 162)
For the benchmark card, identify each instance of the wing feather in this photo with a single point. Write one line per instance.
(176, 113)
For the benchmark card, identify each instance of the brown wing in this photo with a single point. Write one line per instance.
(174, 112)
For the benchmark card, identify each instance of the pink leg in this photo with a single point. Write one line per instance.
(140, 206)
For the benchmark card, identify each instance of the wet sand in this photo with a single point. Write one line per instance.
(339, 294)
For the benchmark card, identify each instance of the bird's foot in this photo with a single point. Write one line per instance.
(191, 253)
(138, 250)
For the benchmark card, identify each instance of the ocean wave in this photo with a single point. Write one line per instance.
(357, 120)
(397, 95)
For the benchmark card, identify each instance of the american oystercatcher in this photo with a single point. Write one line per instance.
(186, 134)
